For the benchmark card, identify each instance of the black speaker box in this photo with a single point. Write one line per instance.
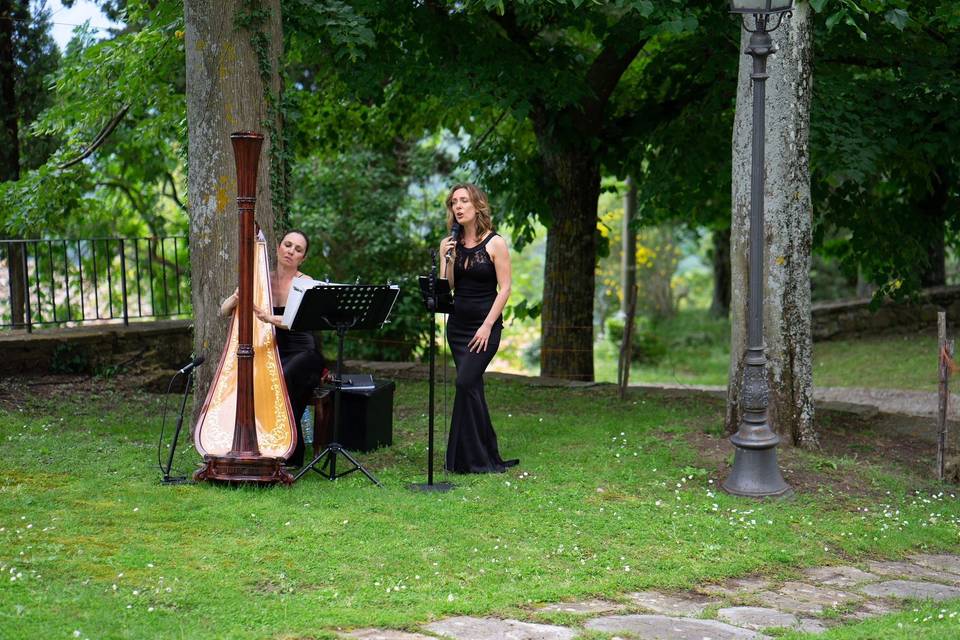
(367, 421)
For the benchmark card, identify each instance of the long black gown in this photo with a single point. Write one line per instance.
(472, 446)
(303, 367)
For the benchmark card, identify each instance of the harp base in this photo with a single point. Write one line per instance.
(243, 469)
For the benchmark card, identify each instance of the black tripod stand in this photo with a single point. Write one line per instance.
(436, 299)
(341, 307)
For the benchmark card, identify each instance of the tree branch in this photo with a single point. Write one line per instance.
(99, 140)
(607, 68)
(136, 199)
(610, 65)
(514, 32)
(644, 120)
(173, 188)
(491, 129)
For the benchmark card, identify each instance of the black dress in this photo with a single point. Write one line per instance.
(472, 446)
(303, 367)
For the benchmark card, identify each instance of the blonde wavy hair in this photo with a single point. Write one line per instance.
(480, 202)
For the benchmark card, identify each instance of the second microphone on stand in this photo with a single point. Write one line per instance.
(455, 230)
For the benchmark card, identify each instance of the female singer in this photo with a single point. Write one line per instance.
(477, 265)
(303, 364)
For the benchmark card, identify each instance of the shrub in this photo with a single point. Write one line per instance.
(69, 358)
(646, 347)
(531, 354)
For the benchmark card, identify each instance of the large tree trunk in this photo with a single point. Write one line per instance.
(225, 93)
(786, 265)
(10, 152)
(569, 270)
(720, 258)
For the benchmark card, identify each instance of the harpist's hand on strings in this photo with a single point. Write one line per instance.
(266, 317)
(480, 339)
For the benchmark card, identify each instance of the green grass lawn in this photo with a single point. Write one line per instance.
(609, 497)
(697, 352)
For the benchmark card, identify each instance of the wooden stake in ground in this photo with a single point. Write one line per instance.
(945, 360)
(623, 370)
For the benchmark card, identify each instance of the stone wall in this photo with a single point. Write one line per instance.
(163, 346)
(844, 319)
(167, 345)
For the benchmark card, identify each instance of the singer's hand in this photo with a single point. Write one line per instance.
(446, 246)
(480, 339)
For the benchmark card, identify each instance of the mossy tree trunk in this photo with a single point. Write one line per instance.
(787, 233)
(233, 84)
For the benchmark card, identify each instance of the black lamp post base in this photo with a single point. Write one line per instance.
(756, 475)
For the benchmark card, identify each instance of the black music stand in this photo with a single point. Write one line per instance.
(436, 299)
(342, 307)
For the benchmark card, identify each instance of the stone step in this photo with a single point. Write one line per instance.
(685, 605)
(911, 590)
(870, 593)
(583, 607)
(759, 618)
(656, 627)
(468, 628)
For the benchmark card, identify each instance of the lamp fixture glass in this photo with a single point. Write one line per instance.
(760, 6)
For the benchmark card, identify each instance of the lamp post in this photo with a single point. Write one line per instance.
(755, 471)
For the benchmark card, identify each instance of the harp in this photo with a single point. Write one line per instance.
(246, 430)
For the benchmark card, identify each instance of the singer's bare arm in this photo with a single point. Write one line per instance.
(500, 254)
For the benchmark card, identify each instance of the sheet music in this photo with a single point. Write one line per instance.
(298, 286)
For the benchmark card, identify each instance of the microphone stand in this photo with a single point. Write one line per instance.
(167, 479)
(431, 304)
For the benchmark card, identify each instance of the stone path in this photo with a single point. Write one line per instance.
(738, 609)
(863, 401)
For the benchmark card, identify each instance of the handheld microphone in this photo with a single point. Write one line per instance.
(455, 230)
(196, 362)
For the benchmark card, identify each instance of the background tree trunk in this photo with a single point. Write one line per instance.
(788, 232)
(720, 259)
(628, 257)
(225, 93)
(10, 152)
(570, 265)
(934, 208)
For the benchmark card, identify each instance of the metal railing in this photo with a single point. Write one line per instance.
(67, 282)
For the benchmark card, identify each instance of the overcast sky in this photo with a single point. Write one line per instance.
(66, 20)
